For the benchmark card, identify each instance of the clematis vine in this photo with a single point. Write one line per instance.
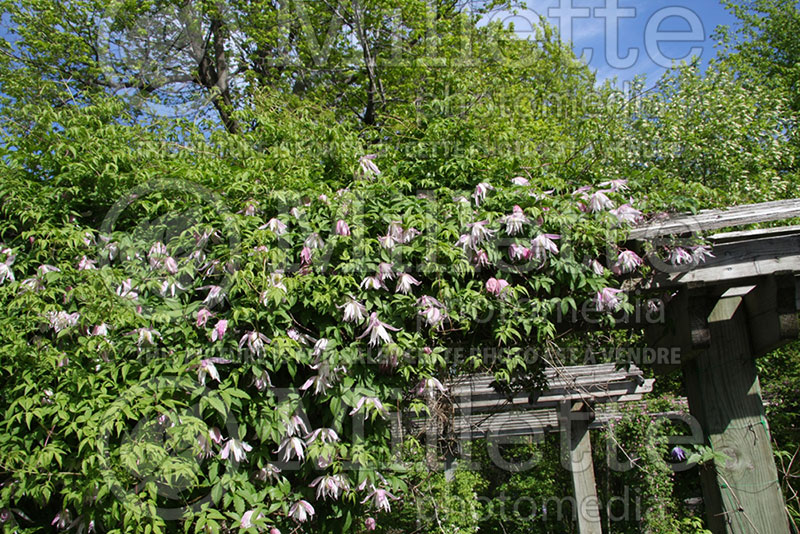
(373, 282)
(599, 201)
(85, 264)
(386, 271)
(496, 286)
(520, 181)
(615, 185)
(62, 320)
(627, 214)
(680, 256)
(428, 387)
(203, 315)
(324, 435)
(275, 226)
(518, 252)
(126, 290)
(377, 331)
(146, 336)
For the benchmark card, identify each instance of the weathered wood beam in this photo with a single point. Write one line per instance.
(706, 220)
(742, 495)
(752, 255)
(574, 422)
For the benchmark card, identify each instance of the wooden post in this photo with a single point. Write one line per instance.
(575, 428)
(743, 496)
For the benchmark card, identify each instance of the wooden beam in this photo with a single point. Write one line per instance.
(742, 495)
(772, 313)
(735, 262)
(706, 220)
(574, 421)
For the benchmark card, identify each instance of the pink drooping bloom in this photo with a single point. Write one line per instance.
(608, 299)
(386, 271)
(219, 330)
(479, 233)
(480, 192)
(255, 342)
(320, 346)
(86, 264)
(262, 381)
(206, 367)
(354, 311)
(314, 241)
(214, 296)
(235, 449)
(146, 336)
(599, 201)
(370, 402)
(305, 256)
(295, 425)
(268, 472)
(247, 519)
(700, 253)
(324, 435)
(203, 315)
(157, 254)
(373, 282)
(301, 511)
(627, 262)
(520, 181)
(342, 228)
(518, 252)
(126, 290)
(380, 499)
(680, 256)
(387, 241)
(627, 214)
(377, 331)
(370, 523)
(249, 208)
(542, 244)
(428, 387)
(367, 166)
(496, 286)
(5, 266)
(62, 520)
(431, 310)
(597, 267)
(276, 226)
(616, 185)
(292, 446)
(481, 258)
(297, 336)
(100, 330)
(405, 282)
(515, 221)
(61, 320)
(395, 230)
(330, 486)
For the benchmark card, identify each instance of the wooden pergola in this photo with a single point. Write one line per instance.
(734, 307)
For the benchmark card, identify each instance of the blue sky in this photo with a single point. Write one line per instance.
(625, 38)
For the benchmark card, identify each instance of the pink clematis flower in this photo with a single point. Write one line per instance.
(305, 256)
(247, 519)
(214, 296)
(146, 336)
(235, 449)
(330, 486)
(354, 311)
(206, 367)
(616, 185)
(373, 282)
(520, 181)
(480, 192)
(367, 166)
(428, 387)
(599, 201)
(370, 523)
(597, 267)
(515, 221)
(627, 262)
(86, 264)
(301, 511)
(680, 256)
(518, 252)
(404, 283)
(607, 299)
(292, 446)
(62, 320)
(126, 291)
(324, 435)
(542, 244)
(627, 214)
(203, 315)
(219, 330)
(496, 286)
(700, 253)
(295, 425)
(386, 271)
(370, 402)
(342, 228)
(255, 342)
(377, 331)
(380, 499)
(479, 233)
(276, 226)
